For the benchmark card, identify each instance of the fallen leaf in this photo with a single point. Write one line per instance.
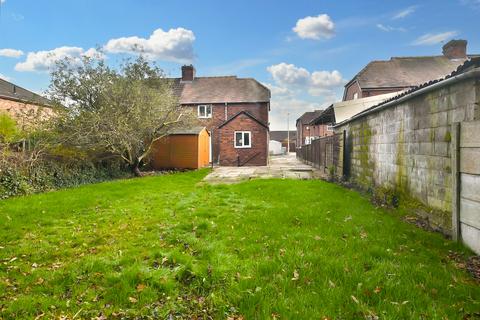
(132, 300)
(282, 252)
(318, 238)
(141, 287)
(40, 281)
(377, 290)
(354, 299)
(295, 275)
(332, 285)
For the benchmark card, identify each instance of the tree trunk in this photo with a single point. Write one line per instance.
(136, 169)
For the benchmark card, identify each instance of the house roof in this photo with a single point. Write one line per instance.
(228, 89)
(309, 116)
(188, 131)
(403, 72)
(11, 91)
(282, 135)
(472, 64)
(248, 114)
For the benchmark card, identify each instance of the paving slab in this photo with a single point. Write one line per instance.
(280, 167)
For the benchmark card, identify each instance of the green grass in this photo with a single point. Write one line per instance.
(171, 245)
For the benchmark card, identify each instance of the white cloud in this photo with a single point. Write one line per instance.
(316, 83)
(278, 91)
(43, 61)
(11, 53)
(405, 12)
(172, 45)
(4, 77)
(319, 27)
(388, 28)
(289, 74)
(2, 1)
(474, 4)
(434, 38)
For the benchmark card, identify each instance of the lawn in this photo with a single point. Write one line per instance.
(172, 247)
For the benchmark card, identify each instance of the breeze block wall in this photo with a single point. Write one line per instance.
(257, 155)
(405, 148)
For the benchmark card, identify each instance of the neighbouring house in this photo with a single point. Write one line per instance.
(283, 137)
(401, 73)
(21, 104)
(307, 132)
(234, 111)
(182, 149)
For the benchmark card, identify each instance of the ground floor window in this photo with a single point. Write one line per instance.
(243, 139)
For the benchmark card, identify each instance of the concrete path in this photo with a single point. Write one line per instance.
(283, 167)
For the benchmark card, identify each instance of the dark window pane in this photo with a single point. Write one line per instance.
(238, 139)
(246, 139)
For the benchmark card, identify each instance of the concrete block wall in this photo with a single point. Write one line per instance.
(406, 147)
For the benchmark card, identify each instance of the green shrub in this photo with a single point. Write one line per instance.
(16, 178)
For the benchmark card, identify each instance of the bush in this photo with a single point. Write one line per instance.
(19, 177)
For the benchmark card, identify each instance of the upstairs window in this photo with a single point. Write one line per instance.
(329, 127)
(243, 139)
(355, 96)
(204, 111)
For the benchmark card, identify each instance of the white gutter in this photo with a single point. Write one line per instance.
(463, 76)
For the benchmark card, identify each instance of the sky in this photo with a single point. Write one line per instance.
(304, 51)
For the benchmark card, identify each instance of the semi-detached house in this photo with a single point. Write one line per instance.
(235, 112)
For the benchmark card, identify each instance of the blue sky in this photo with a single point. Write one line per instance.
(304, 50)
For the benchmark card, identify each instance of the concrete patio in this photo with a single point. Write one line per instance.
(282, 167)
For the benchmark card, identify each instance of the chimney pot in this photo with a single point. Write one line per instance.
(455, 49)
(188, 73)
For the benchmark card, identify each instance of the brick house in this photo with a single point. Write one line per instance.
(234, 111)
(22, 104)
(401, 73)
(306, 131)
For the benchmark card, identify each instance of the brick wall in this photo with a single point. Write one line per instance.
(24, 113)
(351, 90)
(312, 131)
(406, 147)
(257, 155)
(220, 113)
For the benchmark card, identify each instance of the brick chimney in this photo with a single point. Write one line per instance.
(188, 73)
(455, 49)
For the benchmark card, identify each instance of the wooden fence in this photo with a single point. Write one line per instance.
(322, 153)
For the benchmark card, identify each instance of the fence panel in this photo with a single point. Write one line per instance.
(322, 153)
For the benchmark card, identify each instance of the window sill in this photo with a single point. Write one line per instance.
(244, 147)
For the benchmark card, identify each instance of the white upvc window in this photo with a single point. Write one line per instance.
(243, 139)
(329, 127)
(355, 96)
(204, 111)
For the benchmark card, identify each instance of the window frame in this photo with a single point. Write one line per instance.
(205, 106)
(330, 127)
(243, 139)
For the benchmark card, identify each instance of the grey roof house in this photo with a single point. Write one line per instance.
(400, 73)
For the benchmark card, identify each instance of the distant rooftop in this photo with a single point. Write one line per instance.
(404, 72)
(11, 91)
